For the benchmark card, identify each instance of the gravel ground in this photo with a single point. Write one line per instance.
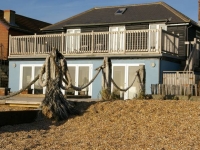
(120, 125)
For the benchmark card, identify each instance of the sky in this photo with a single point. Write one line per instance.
(53, 11)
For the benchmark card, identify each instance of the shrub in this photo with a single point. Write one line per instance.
(107, 95)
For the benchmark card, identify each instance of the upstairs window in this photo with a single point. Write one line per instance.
(120, 11)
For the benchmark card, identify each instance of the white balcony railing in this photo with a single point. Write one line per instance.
(130, 41)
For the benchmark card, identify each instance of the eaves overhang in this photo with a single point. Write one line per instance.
(115, 23)
(53, 31)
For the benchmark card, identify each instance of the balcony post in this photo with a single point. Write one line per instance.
(92, 44)
(62, 46)
(35, 43)
(160, 41)
(10, 40)
(124, 41)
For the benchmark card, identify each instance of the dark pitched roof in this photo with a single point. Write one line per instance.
(25, 24)
(134, 13)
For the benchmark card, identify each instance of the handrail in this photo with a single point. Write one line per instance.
(191, 60)
(129, 41)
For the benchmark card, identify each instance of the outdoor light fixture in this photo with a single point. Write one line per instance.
(14, 65)
(153, 64)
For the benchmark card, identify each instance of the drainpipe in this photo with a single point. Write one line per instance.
(187, 48)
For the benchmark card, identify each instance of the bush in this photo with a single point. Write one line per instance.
(107, 95)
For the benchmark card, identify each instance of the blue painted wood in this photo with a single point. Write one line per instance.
(153, 70)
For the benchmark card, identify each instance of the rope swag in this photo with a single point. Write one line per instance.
(52, 75)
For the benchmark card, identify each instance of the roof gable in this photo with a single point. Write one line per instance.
(133, 14)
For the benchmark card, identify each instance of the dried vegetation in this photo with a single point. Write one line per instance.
(130, 124)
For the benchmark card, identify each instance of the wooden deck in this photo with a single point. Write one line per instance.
(34, 101)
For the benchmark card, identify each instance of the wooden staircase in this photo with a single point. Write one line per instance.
(193, 56)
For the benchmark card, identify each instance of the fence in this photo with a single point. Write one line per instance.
(177, 83)
(166, 89)
(180, 77)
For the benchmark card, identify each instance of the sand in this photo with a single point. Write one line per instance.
(112, 125)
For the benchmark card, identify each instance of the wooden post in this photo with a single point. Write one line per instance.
(9, 45)
(35, 36)
(109, 65)
(192, 89)
(62, 46)
(141, 77)
(195, 89)
(92, 44)
(166, 89)
(180, 92)
(159, 89)
(124, 42)
(163, 89)
(155, 88)
(106, 74)
(160, 40)
(152, 89)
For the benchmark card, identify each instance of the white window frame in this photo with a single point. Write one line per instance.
(77, 73)
(156, 27)
(73, 40)
(117, 41)
(32, 74)
(126, 75)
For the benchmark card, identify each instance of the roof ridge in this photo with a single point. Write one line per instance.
(175, 11)
(152, 3)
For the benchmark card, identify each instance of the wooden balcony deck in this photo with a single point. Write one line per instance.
(138, 42)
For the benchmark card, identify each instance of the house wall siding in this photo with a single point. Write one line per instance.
(167, 65)
(153, 75)
(94, 29)
(106, 28)
(191, 33)
(14, 73)
(181, 30)
(137, 27)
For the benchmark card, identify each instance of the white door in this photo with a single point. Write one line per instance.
(123, 75)
(80, 74)
(37, 88)
(117, 39)
(154, 36)
(73, 40)
(27, 74)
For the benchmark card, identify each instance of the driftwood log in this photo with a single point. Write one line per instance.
(54, 105)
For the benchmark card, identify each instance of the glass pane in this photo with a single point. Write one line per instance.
(37, 88)
(26, 78)
(73, 40)
(72, 72)
(83, 79)
(119, 78)
(134, 90)
(117, 38)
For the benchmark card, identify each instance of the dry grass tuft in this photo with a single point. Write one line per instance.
(131, 124)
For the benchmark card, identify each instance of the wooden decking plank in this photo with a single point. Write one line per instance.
(24, 105)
